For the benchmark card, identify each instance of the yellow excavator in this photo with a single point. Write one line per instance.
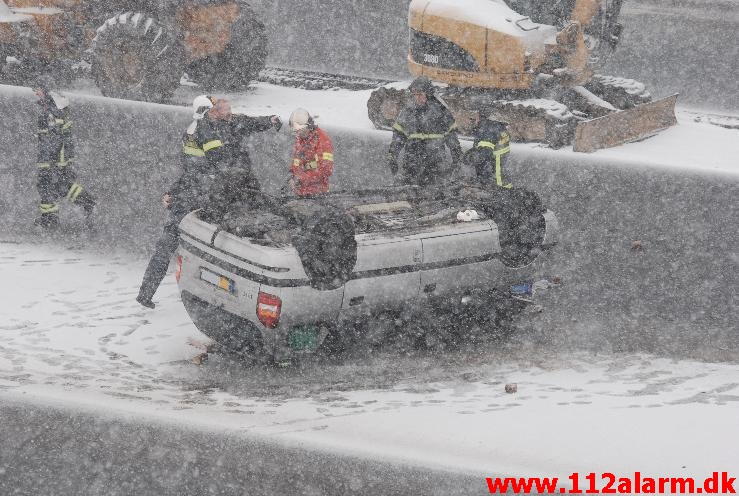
(531, 64)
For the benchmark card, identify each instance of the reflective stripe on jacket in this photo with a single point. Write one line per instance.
(220, 140)
(54, 131)
(500, 150)
(312, 163)
(489, 154)
(423, 133)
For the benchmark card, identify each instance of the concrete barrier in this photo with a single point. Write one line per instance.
(673, 294)
(48, 449)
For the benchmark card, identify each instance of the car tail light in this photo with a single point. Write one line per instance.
(178, 271)
(268, 309)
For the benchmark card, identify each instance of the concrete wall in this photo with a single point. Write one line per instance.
(674, 296)
(50, 450)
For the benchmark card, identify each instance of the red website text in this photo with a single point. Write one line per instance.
(608, 483)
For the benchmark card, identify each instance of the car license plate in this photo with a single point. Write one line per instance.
(303, 338)
(218, 280)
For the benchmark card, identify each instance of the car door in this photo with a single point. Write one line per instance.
(386, 276)
(458, 257)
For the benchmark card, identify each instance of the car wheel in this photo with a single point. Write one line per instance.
(327, 247)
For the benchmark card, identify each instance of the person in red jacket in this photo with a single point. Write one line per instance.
(313, 156)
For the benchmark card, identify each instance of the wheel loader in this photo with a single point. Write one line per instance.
(531, 63)
(137, 49)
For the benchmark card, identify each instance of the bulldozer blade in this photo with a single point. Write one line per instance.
(626, 125)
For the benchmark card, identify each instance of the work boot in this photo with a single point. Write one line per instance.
(145, 301)
(47, 221)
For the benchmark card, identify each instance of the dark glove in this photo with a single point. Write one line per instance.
(277, 124)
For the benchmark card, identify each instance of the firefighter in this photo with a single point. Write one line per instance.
(56, 177)
(422, 130)
(313, 156)
(211, 147)
(489, 153)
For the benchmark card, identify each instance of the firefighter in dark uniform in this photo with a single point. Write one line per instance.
(56, 178)
(488, 156)
(422, 131)
(512, 208)
(211, 155)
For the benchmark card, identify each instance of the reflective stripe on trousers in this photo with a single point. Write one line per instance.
(74, 191)
(48, 208)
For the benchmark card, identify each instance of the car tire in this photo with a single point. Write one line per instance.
(519, 215)
(326, 246)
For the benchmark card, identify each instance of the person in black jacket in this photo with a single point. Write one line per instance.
(56, 178)
(422, 130)
(488, 156)
(220, 136)
(211, 151)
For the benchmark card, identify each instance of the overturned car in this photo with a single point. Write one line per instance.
(278, 276)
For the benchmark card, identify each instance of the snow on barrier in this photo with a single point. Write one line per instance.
(647, 259)
(52, 450)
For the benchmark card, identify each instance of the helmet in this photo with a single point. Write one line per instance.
(300, 119)
(422, 85)
(200, 106)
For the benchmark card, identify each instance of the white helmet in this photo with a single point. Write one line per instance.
(200, 106)
(300, 119)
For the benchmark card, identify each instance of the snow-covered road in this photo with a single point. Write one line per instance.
(72, 335)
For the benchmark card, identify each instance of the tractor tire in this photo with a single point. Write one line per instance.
(241, 61)
(327, 247)
(136, 57)
(384, 105)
